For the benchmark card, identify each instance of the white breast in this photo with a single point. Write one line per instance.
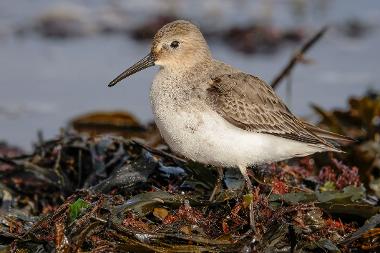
(208, 138)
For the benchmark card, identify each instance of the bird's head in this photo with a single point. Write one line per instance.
(178, 45)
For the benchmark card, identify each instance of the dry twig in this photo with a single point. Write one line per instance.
(298, 56)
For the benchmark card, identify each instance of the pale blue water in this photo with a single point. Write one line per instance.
(44, 83)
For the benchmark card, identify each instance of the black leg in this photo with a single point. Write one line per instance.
(248, 184)
(218, 184)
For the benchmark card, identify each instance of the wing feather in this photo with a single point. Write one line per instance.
(249, 103)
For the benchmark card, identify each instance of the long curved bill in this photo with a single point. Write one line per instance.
(146, 62)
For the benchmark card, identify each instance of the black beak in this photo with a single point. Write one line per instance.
(146, 62)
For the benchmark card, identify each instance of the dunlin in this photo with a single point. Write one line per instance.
(215, 114)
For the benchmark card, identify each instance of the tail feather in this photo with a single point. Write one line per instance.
(330, 136)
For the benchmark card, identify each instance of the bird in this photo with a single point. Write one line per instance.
(215, 114)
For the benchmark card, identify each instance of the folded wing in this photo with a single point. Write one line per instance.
(249, 103)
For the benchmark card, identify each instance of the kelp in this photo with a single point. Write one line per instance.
(97, 192)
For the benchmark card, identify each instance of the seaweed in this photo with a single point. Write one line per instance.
(96, 191)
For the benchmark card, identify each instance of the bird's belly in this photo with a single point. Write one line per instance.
(207, 138)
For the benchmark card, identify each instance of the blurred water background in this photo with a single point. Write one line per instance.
(45, 81)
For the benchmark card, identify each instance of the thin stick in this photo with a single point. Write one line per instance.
(298, 56)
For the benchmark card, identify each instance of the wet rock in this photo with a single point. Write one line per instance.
(64, 21)
(119, 123)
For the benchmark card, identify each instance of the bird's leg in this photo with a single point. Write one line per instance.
(218, 184)
(248, 184)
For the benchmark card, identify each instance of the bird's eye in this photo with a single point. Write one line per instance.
(174, 44)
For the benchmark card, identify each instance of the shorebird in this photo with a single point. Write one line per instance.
(215, 114)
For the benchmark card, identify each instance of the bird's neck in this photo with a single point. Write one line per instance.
(179, 84)
(186, 69)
